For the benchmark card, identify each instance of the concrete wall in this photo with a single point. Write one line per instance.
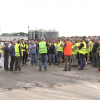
(10, 38)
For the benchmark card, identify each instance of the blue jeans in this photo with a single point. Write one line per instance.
(6, 62)
(43, 57)
(82, 61)
(99, 63)
(33, 58)
(57, 58)
(51, 56)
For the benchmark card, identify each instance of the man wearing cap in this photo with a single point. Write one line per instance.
(6, 55)
(12, 54)
(18, 56)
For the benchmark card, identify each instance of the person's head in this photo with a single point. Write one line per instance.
(19, 41)
(59, 39)
(13, 42)
(83, 39)
(36, 42)
(32, 42)
(42, 39)
(64, 40)
(67, 39)
(73, 42)
(22, 40)
(50, 40)
(95, 40)
(7, 44)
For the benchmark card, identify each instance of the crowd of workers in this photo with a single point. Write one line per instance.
(73, 53)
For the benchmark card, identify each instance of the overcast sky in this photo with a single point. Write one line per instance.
(69, 17)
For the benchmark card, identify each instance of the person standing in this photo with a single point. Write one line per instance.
(60, 51)
(0, 55)
(95, 54)
(6, 56)
(32, 48)
(82, 51)
(12, 54)
(37, 53)
(23, 49)
(74, 55)
(26, 52)
(78, 44)
(56, 53)
(51, 53)
(67, 54)
(43, 53)
(18, 56)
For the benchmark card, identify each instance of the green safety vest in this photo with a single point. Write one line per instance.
(17, 53)
(59, 47)
(23, 46)
(99, 52)
(77, 44)
(83, 49)
(87, 50)
(42, 47)
(74, 52)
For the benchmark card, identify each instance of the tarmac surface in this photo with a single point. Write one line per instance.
(31, 84)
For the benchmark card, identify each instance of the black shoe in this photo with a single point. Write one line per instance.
(54, 63)
(93, 66)
(49, 64)
(57, 64)
(39, 69)
(69, 70)
(64, 70)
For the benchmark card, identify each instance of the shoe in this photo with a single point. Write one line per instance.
(39, 69)
(64, 70)
(86, 63)
(69, 70)
(49, 64)
(80, 69)
(45, 69)
(97, 71)
(93, 66)
(19, 71)
(54, 63)
(0, 67)
(96, 66)
(25, 64)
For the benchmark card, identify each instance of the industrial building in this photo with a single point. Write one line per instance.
(11, 36)
(37, 34)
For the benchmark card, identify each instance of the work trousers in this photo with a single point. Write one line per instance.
(86, 56)
(26, 55)
(67, 60)
(33, 58)
(74, 60)
(18, 63)
(51, 56)
(43, 58)
(95, 57)
(78, 58)
(6, 62)
(82, 61)
(99, 63)
(23, 57)
(12, 62)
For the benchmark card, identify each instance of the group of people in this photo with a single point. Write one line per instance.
(74, 53)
